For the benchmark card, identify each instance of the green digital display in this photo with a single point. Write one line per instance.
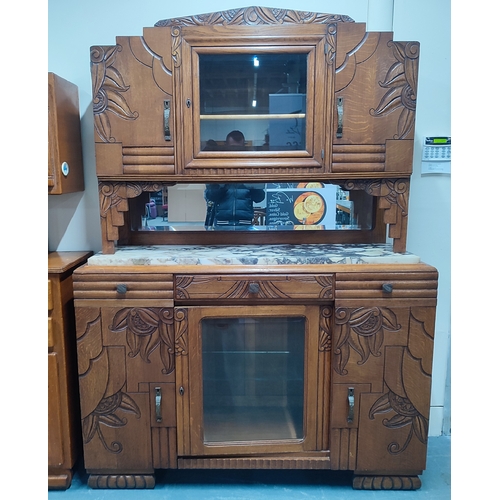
(440, 140)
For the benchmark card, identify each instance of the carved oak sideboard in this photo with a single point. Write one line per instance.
(301, 359)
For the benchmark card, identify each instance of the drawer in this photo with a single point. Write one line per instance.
(244, 288)
(123, 286)
(384, 285)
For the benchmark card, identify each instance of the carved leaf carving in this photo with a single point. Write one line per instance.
(361, 329)
(108, 87)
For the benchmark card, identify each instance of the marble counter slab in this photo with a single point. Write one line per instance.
(252, 255)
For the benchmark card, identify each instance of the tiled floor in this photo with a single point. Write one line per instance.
(275, 485)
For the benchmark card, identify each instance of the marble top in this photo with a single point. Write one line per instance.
(252, 255)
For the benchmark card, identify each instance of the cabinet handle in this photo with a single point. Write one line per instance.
(340, 116)
(350, 400)
(158, 404)
(188, 103)
(181, 391)
(387, 287)
(166, 120)
(121, 288)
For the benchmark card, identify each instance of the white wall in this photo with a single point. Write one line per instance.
(73, 219)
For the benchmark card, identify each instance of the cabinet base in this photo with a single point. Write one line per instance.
(60, 479)
(386, 483)
(121, 481)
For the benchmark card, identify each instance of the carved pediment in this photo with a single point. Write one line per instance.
(253, 16)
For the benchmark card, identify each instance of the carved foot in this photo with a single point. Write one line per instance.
(386, 483)
(121, 481)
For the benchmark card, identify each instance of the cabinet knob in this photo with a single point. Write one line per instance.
(387, 287)
(121, 288)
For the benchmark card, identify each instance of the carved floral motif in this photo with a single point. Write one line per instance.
(108, 86)
(106, 413)
(150, 328)
(406, 414)
(401, 82)
(362, 330)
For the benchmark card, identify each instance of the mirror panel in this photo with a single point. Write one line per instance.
(291, 206)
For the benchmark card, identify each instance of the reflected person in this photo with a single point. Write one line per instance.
(233, 202)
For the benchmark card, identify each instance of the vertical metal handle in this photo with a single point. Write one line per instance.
(158, 404)
(340, 116)
(350, 400)
(166, 120)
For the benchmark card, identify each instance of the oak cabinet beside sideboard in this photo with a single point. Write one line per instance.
(327, 369)
(64, 438)
(65, 159)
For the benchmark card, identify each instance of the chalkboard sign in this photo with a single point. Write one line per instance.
(294, 207)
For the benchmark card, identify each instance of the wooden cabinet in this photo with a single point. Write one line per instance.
(317, 97)
(326, 369)
(64, 441)
(65, 162)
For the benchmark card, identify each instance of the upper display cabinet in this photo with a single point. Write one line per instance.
(310, 96)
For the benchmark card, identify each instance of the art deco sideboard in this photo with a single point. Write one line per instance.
(277, 346)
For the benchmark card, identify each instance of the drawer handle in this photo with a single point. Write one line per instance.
(254, 288)
(158, 404)
(121, 288)
(387, 287)
(350, 400)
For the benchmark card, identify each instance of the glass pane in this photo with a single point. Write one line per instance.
(253, 378)
(260, 96)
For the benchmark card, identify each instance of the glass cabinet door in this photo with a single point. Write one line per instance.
(261, 95)
(253, 379)
(251, 101)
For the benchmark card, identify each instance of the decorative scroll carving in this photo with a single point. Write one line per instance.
(325, 329)
(361, 329)
(108, 86)
(254, 16)
(106, 413)
(150, 328)
(331, 43)
(401, 82)
(393, 197)
(113, 200)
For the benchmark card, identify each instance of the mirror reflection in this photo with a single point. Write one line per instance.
(262, 96)
(256, 207)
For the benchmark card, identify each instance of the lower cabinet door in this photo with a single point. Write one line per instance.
(382, 363)
(251, 380)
